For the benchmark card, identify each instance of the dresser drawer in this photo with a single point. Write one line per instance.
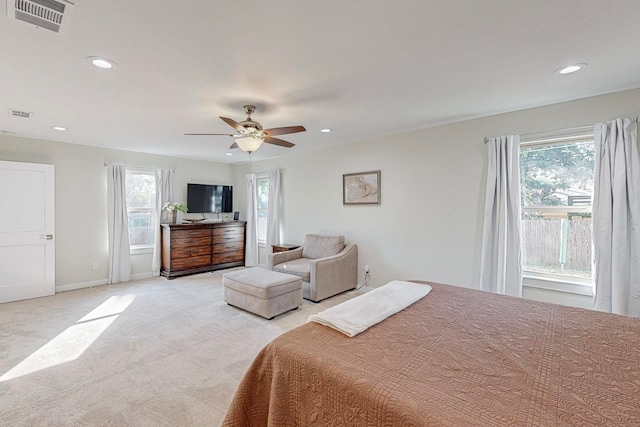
(228, 238)
(191, 262)
(223, 258)
(190, 238)
(228, 247)
(190, 251)
(190, 242)
(224, 231)
(190, 234)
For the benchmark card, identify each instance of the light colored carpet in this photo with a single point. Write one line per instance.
(154, 352)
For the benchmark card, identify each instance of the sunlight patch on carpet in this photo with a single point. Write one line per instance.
(73, 341)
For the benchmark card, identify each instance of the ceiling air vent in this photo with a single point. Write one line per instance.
(53, 15)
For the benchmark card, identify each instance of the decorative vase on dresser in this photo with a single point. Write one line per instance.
(200, 247)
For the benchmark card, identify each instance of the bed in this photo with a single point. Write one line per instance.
(457, 357)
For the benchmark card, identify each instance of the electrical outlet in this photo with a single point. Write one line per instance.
(95, 266)
(366, 268)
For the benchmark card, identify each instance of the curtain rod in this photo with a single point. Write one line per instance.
(266, 172)
(135, 167)
(583, 128)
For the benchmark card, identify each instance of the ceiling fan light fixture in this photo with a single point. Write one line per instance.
(249, 144)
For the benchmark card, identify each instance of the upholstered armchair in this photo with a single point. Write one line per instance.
(326, 264)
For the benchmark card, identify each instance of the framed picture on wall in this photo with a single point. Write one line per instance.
(362, 188)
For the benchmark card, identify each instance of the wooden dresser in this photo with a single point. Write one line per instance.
(200, 247)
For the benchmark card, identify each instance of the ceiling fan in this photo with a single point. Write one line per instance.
(251, 135)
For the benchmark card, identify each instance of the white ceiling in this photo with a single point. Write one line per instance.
(363, 68)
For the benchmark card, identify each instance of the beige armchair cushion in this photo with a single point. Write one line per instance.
(317, 246)
(299, 267)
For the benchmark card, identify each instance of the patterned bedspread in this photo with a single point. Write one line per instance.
(458, 357)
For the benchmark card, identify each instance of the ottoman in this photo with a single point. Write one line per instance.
(263, 292)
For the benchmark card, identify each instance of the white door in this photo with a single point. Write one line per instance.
(27, 249)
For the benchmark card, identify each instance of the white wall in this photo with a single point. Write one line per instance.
(81, 193)
(429, 225)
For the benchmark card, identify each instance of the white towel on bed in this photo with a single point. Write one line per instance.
(359, 313)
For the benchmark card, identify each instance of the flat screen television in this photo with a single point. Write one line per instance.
(204, 198)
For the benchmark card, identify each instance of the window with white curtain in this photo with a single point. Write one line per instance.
(556, 178)
(262, 197)
(141, 207)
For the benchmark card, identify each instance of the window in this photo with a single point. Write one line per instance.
(141, 207)
(556, 177)
(262, 184)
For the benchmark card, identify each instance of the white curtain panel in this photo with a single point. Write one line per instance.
(251, 245)
(273, 212)
(118, 225)
(501, 265)
(164, 194)
(616, 217)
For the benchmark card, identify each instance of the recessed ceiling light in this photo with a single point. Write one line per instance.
(101, 62)
(59, 128)
(325, 130)
(229, 154)
(570, 69)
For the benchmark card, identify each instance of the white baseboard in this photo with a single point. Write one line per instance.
(141, 276)
(74, 286)
(82, 285)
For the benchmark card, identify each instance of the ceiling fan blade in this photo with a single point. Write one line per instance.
(284, 130)
(237, 126)
(279, 142)
(209, 134)
(234, 145)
